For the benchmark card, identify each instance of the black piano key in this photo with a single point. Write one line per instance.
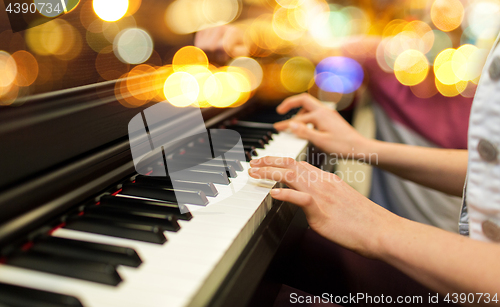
(228, 155)
(264, 131)
(235, 163)
(208, 166)
(168, 194)
(17, 296)
(197, 175)
(203, 176)
(151, 206)
(164, 182)
(230, 171)
(166, 222)
(257, 143)
(151, 234)
(76, 268)
(260, 136)
(255, 126)
(98, 252)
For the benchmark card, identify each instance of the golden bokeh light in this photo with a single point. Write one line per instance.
(57, 37)
(189, 55)
(411, 67)
(252, 68)
(181, 89)
(8, 68)
(46, 38)
(161, 75)
(110, 10)
(133, 6)
(460, 63)
(27, 68)
(451, 90)
(296, 74)
(290, 4)
(188, 16)
(284, 26)
(124, 97)
(227, 90)
(423, 31)
(9, 95)
(243, 87)
(140, 82)
(447, 15)
(205, 80)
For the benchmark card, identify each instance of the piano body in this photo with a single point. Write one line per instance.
(68, 180)
(80, 227)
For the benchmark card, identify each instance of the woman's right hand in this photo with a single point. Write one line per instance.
(331, 132)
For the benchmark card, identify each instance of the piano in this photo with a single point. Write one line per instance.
(80, 227)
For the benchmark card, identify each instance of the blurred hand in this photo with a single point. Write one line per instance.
(331, 133)
(221, 43)
(333, 209)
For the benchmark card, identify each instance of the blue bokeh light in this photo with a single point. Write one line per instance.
(339, 75)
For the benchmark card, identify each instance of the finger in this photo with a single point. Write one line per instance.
(319, 174)
(309, 166)
(200, 39)
(305, 101)
(283, 162)
(287, 176)
(283, 125)
(301, 199)
(304, 132)
(304, 118)
(240, 50)
(214, 38)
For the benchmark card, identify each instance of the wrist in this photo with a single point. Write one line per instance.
(365, 150)
(391, 239)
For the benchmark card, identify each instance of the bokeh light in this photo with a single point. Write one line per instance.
(181, 89)
(110, 10)
(447, 15)
(189, 55)
(296, 74)
(252, 67)
(441, 41)
(339, 74)
(133, 46)
(8, 68)
(27, 68)
(226, 91)
(411, 67)
(188, 16)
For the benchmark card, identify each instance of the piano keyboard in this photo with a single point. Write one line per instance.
(136, 267)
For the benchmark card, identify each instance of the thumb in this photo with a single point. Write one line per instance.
(303, 131)
(301, 199)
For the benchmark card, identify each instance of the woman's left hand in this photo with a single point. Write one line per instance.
(333, 208)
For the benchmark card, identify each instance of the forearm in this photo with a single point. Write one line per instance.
(443, 261)
(441, 169)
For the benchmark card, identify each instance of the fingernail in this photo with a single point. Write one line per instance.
(293, 125)
(254, 162)
(254, 170)
(275, 192)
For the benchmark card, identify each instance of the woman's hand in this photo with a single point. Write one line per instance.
(331, 132)
(221, 43)
(333, 209)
